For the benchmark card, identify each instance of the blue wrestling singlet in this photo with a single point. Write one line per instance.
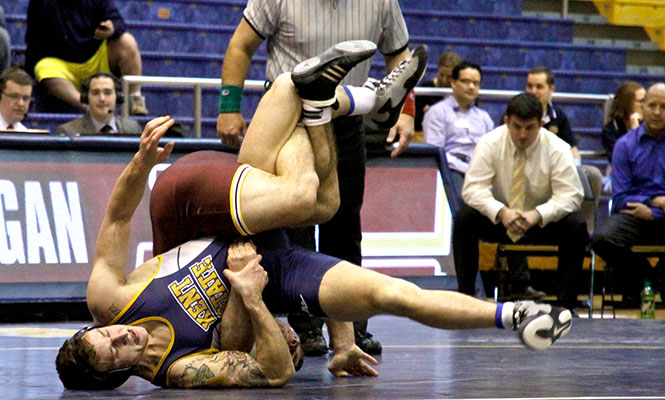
(189, 291)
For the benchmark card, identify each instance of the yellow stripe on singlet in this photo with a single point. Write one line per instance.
(136, 296)
(234, 199)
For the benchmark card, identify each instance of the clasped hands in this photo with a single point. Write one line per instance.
(658, 201)
(518, 221)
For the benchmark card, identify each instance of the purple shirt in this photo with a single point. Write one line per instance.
(638, 170)
(446, 125)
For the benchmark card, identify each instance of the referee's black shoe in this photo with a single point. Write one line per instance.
(317, 78)
(367, 342)
(392, 90)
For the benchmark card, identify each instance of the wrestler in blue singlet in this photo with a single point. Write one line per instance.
(189, 291)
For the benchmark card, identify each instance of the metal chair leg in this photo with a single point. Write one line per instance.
(614, 309)
(608, 273)
(592, 267)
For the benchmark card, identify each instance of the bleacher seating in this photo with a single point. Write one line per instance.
(487, 26)
(189, 38)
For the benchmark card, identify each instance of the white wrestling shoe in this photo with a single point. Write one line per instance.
(540, 325)
(391, 91)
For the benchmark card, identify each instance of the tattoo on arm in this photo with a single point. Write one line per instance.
(224, 369)
(201, 374)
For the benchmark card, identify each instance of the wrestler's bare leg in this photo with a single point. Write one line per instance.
(351, 293)
(276, 117)
(273, 122)
(297, 181)
(325, 163)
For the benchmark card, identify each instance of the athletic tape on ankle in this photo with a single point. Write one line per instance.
(497, 316)
(410, 104)
(230, 98)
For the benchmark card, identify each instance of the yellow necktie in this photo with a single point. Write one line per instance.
(517, 189)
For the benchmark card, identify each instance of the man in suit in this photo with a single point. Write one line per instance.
(15, 96)
(100, 92)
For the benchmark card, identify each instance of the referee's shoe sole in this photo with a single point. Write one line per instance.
(317, 78)
(539, 331)
(392, 90)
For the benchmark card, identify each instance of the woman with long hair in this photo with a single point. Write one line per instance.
(625, 114)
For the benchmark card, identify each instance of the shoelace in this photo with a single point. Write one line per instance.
(384, 84)
(522, 308)
(518, 314)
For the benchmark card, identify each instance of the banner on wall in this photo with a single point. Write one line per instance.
(52, 204)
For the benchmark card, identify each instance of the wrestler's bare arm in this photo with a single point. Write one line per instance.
(235, 330)
(222, 369)
(348, 358)
(107, 279)
(272, 365)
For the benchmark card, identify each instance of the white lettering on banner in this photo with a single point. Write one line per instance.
(141, 250)
(67, 220)
(37, 228)
(154, 173)
(11, 238)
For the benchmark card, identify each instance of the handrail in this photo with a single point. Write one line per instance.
(198, 83)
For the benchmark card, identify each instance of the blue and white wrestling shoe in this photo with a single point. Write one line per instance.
(540, 325)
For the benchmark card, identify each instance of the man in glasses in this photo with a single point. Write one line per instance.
(15, 96)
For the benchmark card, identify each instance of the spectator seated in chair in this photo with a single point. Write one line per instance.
(101, 93)
(625, 115)
(638, 201)
(67, 41)
(444, 75)
(505, 203)
(15, 96)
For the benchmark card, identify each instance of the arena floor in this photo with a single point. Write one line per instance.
(599, 359)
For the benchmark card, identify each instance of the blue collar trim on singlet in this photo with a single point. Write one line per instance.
(171, 341)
